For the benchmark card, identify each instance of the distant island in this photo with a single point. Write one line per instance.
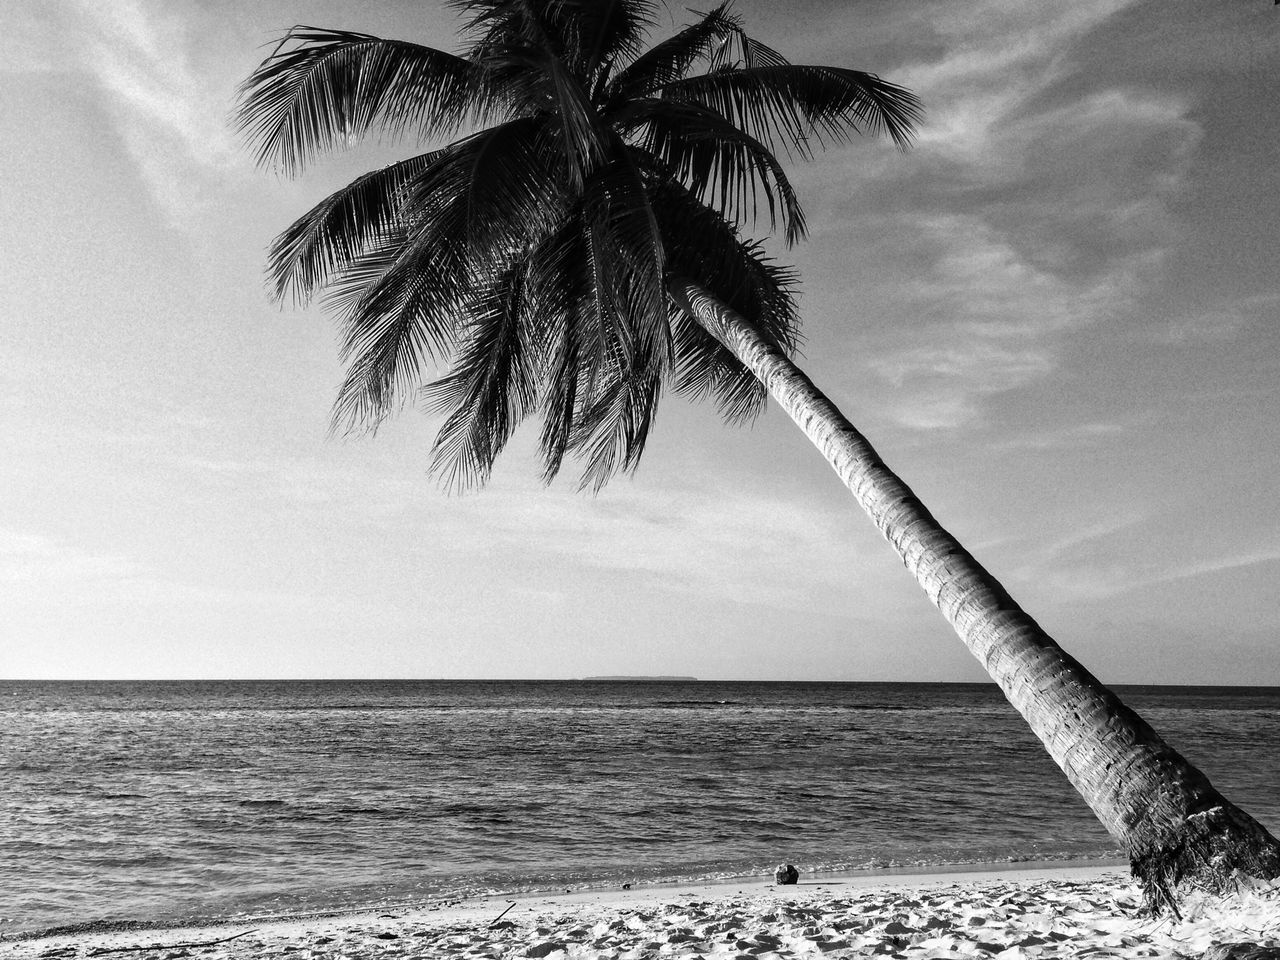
(647, 679)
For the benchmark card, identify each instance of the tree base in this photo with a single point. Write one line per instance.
(1217, 851)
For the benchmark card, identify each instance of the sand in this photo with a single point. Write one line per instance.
(1009, 914)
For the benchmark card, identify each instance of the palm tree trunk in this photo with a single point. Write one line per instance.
(1176, 828)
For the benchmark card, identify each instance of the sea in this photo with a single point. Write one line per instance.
(165, 802)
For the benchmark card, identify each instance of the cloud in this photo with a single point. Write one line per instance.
(1235, 561)
(944, 384)
(301, 482)
(34, 559)
(1100, 581)
(171, 116)
(1036, 204)
(1072, 436)
(1117, 554)
(1091, 533)
(990, 321)
(1221, 323)
(709, 541)
(1088, 561)
(683, 538)
(997, 58)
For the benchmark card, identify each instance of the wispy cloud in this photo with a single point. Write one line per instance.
(686, 538)
(35, 559)
(1118, 553)
(1073, 436)
(1234, 561)
(299, 481)
(170, 115)
(1102, 580)
(1036, 204)
(55, 570)
(1222, 322)
(992, 320)
(724, 543)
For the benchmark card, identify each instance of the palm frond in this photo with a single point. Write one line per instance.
(560, 393)
(625, 249)
(786, 105)
(614, 420)
(738, 51)
(526, 51)
(719, 163)
(490, 194)
(670, 59)
(563, 295)
(597, 294)
(701, 246)
(491, 387)
(621, 371)
(321, 88)
(601, 32)
(329, 236)
(397, 307)
(474, 206)
(586, 34)
(560, 296)
(583, 131)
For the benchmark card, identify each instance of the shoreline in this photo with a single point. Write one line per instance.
(428, 902)
(1016, 911)
(870, 876)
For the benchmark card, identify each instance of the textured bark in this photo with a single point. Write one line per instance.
(1176, 828)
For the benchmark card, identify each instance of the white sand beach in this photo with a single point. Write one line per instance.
(1007, 913)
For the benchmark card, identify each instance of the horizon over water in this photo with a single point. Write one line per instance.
(606, 678)
(158, 801)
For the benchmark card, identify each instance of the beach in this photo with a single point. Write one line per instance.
(1057, 911)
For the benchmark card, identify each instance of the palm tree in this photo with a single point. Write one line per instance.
(577, 245)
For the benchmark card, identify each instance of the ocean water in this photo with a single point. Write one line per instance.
(163, 801)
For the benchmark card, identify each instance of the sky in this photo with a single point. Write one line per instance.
(1055, 317)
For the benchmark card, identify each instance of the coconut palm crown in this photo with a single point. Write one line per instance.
(530, 256)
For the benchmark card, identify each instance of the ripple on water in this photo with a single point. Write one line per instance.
(163, 800)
